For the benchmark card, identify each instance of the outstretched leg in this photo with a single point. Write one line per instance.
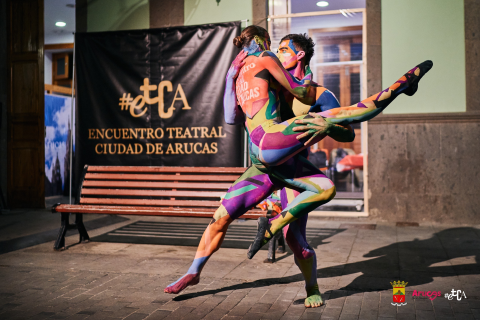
(372, 106)
(305, 258)
(245, 193)
(315, 190)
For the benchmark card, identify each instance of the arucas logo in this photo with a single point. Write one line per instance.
(399, 293)
(430, 294)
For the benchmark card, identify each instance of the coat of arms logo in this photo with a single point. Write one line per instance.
(399, 293)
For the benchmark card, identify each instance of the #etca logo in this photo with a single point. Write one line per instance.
(399, 293)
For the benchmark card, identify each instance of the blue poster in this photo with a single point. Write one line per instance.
(58, 131)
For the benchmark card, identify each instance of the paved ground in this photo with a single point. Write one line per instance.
(116, 280)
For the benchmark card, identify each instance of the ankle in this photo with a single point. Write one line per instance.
(312, 290)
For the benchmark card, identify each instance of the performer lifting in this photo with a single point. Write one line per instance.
(295, 52)
(273, 145)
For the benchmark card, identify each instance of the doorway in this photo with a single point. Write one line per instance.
(58, 99)
(25, 106)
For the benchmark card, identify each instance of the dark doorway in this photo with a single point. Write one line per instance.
(25, 107)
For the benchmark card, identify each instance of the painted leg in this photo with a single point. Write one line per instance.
(245, 193)
(318, 190)
(211, 241)
(305, 258)
(372, 106)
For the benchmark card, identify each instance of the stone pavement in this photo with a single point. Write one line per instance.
(356, 263)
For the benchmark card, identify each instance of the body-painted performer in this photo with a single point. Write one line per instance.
(295, 52)
(260, 180)
(274, 168)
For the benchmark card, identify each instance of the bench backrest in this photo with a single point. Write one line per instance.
(200, 187)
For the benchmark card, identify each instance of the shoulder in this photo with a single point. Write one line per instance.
(269, 59)
(268, 54)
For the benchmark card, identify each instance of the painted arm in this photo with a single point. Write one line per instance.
(326, 100)
(232, 112)
(353, 114)
(311, 125)
(341, 133)
(299, 88)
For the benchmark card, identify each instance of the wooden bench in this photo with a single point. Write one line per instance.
(153, 191)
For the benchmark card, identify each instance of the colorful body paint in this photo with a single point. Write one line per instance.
(277, 163)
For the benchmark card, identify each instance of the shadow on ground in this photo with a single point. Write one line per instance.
(51, 235)
(239, 236)
(410, 260)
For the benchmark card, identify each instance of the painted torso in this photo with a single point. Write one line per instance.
(257, 92)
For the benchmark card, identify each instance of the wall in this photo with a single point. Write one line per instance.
(207, 11)
(190, 12)
(48, 67)
(424, 166)
(105, 15)
(3, 98)
(414, 31)
(58, 38)
(166, 13)
(425, 172)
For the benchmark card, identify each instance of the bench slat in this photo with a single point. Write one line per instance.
(253, 214)
(166, 169)
(146, 184)
(159, 193)
(159, 177)
(151, 202)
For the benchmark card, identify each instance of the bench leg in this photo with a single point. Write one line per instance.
(60, 242)
(81, 227)
(271, 248)
(281, 243)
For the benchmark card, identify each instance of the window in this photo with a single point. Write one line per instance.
(337, 64)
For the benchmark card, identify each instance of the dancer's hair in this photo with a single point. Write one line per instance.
(248, 34)
(302, 42)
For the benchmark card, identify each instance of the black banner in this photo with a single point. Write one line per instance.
(154, 97)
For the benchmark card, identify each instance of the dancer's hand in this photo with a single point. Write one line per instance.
(236, 65)
(313, 127)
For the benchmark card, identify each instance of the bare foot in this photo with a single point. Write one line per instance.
(314, 299)
(185, 281)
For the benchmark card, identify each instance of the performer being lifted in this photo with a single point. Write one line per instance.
(274, 144)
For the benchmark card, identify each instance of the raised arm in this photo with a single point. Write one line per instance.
(232, 112)
(298, 88)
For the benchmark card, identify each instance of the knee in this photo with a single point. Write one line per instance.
(330, 193)
(326, 195)
(302, 250)
(221, 220)
(220, 213)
